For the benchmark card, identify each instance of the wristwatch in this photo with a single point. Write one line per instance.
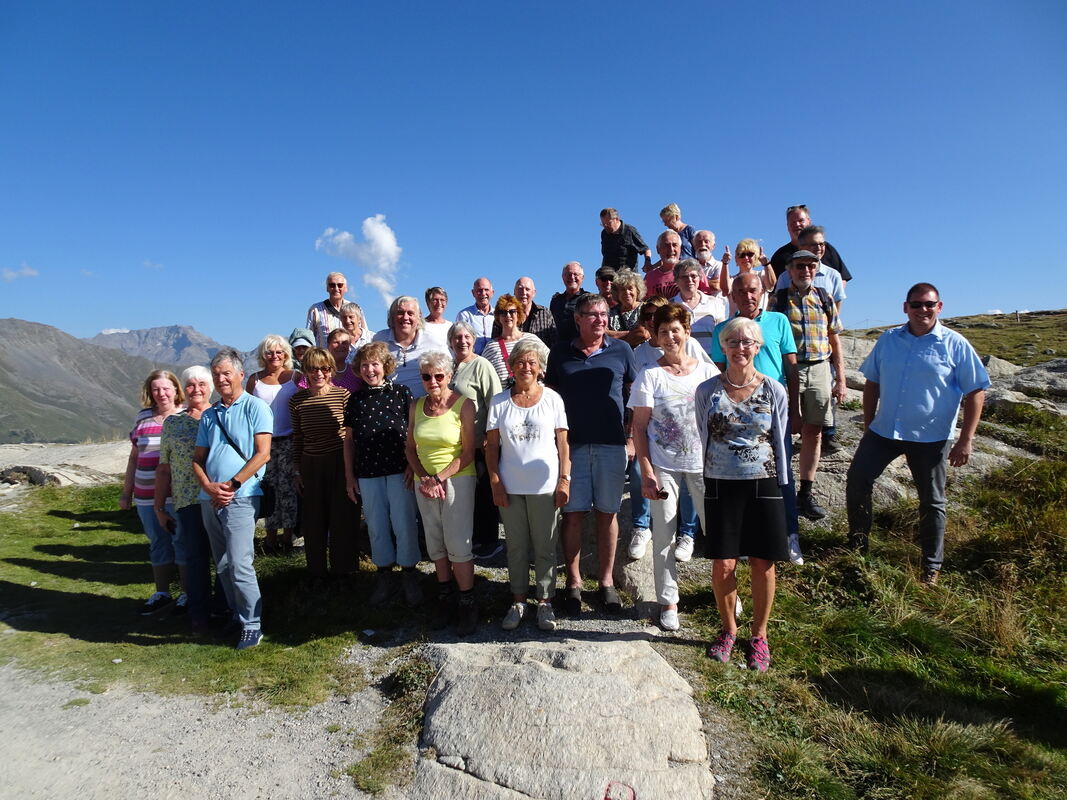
(236, 484)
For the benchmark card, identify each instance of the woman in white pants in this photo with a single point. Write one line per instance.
(668, 444)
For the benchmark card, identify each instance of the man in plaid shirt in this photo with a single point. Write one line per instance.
(813, 316)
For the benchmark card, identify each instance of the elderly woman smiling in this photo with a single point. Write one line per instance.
(743, 419)
(162, 397)
(440, 452)
(529, 470)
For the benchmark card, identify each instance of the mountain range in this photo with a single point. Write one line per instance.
(169, 344)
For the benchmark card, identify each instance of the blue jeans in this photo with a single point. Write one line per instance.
(598, 476)
(164, 547)
(231, 531)
(688, 519)
(640, 507)
(389, 508)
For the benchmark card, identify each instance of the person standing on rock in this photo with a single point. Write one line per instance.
(162, 397)
(326, 316)
(591, 372)
(916, 375)
(232, 446)
(813, 316)
(562, 304)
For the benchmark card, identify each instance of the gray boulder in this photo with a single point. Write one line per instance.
(855, 349)
(998, 368)
(560, 721)
(1043, 380)
(999, 398)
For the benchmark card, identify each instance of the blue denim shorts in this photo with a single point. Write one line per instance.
(598, 473)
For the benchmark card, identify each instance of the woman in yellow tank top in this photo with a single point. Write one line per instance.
(440, 450)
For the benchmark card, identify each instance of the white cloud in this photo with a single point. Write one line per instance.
(106, 331)
(24, 271)
(152, 265)
(994, 311)
(378, 255)
(87, 273)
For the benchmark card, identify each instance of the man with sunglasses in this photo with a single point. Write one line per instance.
(325, 317)
(813, 317)
(917, 375)
(797, 218)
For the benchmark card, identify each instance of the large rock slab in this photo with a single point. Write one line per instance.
(998, 368)
(559, 721)
(855, 349)
(1043, 380)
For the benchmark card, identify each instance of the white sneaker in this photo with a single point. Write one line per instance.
(514, 616)
(638, 542)
(738, 608)
(683, 549)
(795, 555)
(546, 617)
(668, 620)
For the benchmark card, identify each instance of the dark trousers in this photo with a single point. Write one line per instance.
(927, 461)
(329, 520)
(486, 517)
(197, 562)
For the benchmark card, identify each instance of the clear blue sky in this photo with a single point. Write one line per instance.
(177, 162)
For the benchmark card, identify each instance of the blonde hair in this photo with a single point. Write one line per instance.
(670, 210)
(272, 340)
(155, 375)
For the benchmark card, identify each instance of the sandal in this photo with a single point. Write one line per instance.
(720, 649)
(759, 654)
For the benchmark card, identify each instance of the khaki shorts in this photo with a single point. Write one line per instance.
(815, 385)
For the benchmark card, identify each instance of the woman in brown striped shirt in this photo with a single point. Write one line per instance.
(329, 519)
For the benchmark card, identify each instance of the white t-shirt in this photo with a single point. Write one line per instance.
(436, 334)
(673, 435)
(646, 356)
(529, 461)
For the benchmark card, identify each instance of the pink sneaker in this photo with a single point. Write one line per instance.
(721, 648)
(759, 654)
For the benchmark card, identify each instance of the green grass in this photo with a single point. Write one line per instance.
(71, 597)
(1021, 342)
(881, 688)
(1024, 426)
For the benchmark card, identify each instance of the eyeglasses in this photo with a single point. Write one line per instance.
(791, 209)
(915, 305)
(746, 344)
(325, 370)
(746, 254)
(595, 314)
(437, 376)
(335, 286)
(509, 312)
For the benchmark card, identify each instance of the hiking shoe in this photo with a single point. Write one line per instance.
(639, 540)
(807, 507)
(759, 654)
(610, 598)
(668, 619)
(830, 446)
(156, 602)
(546, 617)
(513, 618)
(860, 542)
(409, 582)
(384, 588)
(930, 576)
(249, 638)
(181, 605)
(572, 601)
(721, 648)
(466, 618)
(795, 556)
(683, 549)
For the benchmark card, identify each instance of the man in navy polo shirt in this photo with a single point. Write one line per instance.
(916, 376)
(591, 373)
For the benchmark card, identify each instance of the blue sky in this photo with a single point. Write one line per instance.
(176, 162)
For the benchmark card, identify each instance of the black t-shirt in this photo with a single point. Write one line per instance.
(378, 417)
(621, 249)
(780, 259)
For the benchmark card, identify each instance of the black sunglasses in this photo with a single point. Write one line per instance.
(915, 305)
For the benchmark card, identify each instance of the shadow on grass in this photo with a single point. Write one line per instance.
(114, 573)
(99, 520)
(132, 553)
(1034, 712)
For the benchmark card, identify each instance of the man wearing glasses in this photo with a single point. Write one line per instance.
(479, 315)
(813, 317)
(777, 359)
(326, 316)
(917, 375)
(797, 218)
(591, 372)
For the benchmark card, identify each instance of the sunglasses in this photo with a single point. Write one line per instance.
(437, 376)
(791, 209)
(335, 285)
(929, 305)
(746, 254)
(509, 312)
(325, 370)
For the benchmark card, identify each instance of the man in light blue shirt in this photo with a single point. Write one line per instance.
(916, 376)
(480, 315)
(232, 445)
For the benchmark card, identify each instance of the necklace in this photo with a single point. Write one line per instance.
(752, 380)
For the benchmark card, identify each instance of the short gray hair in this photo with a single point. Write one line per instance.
(231, 355)
(395, 306)
(687, 265)
(196, 373)
(349, 308)
(435, 359)
(530, 344)
(739, 326)
(461, 325)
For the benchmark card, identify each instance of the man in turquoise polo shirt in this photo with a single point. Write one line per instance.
(916, 376)
(232, 445)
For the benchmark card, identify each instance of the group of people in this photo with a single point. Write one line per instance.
(683, 379)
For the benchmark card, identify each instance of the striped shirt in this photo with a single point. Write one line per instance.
(145, 436)
(812, 322)
(318, 422)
